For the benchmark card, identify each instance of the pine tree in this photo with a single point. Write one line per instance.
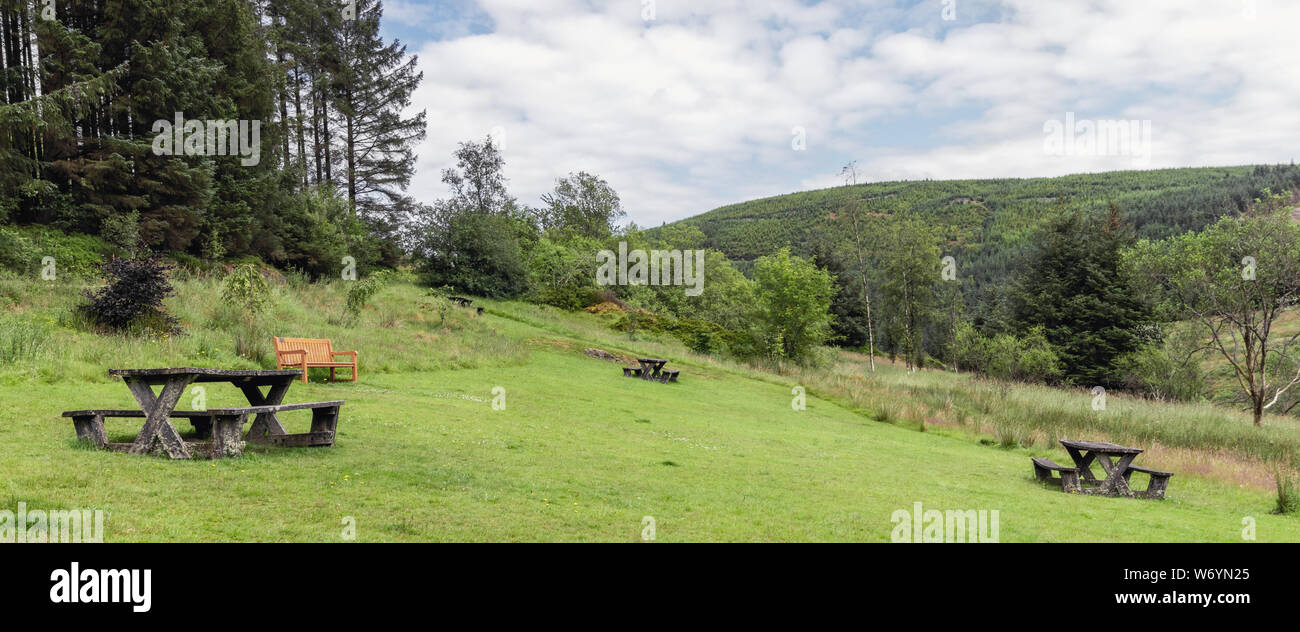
(374, 85)
(1073, 287)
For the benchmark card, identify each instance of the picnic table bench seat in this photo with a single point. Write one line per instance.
(1068, 480)
(222, 426)
(631, 372)
(1159, 481)
(668, 375)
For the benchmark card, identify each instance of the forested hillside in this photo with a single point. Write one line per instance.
(985, 224)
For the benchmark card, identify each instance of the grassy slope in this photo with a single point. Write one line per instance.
(580, 454)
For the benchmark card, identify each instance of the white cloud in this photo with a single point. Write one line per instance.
(694, 109)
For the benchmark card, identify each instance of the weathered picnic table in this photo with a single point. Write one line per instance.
(1080, 478)
(650, 367)
(222, 425)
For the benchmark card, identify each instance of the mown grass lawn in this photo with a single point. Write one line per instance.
(579, 454)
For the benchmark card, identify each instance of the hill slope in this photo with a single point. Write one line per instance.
(579, 453)
(985, 223)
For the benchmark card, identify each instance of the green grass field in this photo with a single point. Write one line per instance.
(579, 453)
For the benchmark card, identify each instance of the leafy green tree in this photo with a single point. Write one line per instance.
(561, 273)
(1233, 280)
(478, 239)
(582, 204)
(910, 267)
(792, 301)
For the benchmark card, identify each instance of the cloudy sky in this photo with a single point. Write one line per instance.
(686, 105)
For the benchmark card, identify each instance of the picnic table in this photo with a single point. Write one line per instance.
(651, 369)
(222, 425)
(1117, 463)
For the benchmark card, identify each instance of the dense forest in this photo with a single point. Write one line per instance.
(291, 140)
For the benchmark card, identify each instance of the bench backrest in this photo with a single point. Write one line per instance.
(318, 349)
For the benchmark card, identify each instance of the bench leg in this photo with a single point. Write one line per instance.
(91, 428)
(227, 441)
(1070, 482)
(354, 371)
(1042, 474)
(1156, 489)
(325, 420)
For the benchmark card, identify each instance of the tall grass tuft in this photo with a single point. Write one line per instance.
(1288, 497)
(24, 340)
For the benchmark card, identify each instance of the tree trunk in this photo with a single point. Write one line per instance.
(297, 108)
(351, 150)
(866, 294)
(315, 125)
(325, 125)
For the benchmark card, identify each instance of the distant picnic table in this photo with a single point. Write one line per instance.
(223, 426)
(1115, 460)
(651, 369)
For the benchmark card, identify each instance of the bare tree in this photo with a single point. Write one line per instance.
(850, 173)
(856, 216)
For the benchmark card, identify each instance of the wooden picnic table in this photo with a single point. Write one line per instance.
(1085, 453)
(650, 367)
(158, 409)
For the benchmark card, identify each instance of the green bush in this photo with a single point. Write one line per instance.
(246, 289)
(360, 292)
(1163, 373)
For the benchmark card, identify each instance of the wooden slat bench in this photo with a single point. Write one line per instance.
(308, 353)
(1159, 482)
(223, 426)
(1069, 476)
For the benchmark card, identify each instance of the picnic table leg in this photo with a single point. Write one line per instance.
(91, 428)
(1116, 483)
(265, 423)
(157, 409)
(1084, 463)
